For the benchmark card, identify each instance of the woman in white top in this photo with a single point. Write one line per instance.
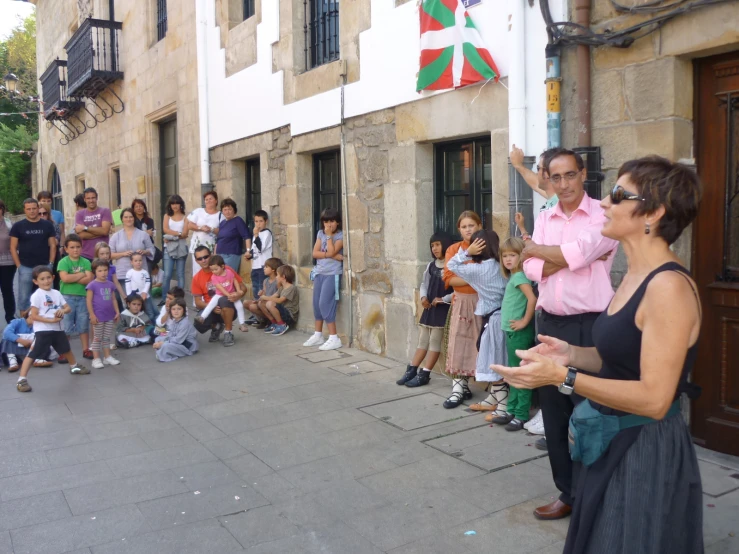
(204, 223)
(175, 247)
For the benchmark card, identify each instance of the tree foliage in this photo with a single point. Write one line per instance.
(18, 56)
(15, 169)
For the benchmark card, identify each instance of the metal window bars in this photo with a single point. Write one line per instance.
(321, 30)
(161, 19)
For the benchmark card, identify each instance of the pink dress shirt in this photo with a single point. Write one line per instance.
(584, 286)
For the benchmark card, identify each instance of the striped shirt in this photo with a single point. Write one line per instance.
(484, 277)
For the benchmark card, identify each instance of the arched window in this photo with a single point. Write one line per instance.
(56, 190)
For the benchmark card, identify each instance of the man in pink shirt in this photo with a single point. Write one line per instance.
(572, 262)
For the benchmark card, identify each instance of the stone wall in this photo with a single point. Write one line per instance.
(389, 179)
(160, 82)
(642, 96)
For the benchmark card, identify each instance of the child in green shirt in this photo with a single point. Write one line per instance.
(75, 273)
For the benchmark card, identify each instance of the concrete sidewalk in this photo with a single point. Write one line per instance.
(269, 447)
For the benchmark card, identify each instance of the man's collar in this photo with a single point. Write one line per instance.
(584, 206)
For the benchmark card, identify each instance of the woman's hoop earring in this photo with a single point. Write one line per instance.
(647, 229)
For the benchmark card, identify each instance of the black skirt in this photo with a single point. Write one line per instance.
(644, 496)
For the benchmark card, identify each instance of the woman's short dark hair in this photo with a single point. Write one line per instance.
(331, 214)
(79, 201)
(664, 183)
(174, 199)
(212, 193)
(229, 202)
(97, 262)
(129, 210)
(492, 245)
(140, 201)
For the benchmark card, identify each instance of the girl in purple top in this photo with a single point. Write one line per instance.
(103, 310)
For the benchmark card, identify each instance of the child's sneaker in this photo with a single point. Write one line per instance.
(88, 354)
(244, 328)
(110, 360)
(269, 328)
(215, 333)
(333, 343)
(315, 340)
(79, 370)
(97, 363)
(23, 386)
(113, 346)
(228, 338)
(280, 329)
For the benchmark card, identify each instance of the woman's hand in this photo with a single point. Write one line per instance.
(425, 302)
(476, 247)
(536, 371)
(204, 229)
(437, 301)
(555, 349)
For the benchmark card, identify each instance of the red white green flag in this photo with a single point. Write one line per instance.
(452, 52)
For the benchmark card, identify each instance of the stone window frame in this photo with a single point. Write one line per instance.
(57, 196)
(248, 6)
(114, 184)
(309, 6)
(153, 173)
(250, 208)
(79, 183)
(476, 193)
(316, 159)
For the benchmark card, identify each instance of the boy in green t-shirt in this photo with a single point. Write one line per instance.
(75, 272)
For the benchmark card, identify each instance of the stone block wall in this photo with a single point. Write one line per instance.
(389, 159)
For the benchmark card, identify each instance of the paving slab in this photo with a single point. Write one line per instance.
(79, 532)
(96, 451)
(414, 412)
(33, 510)
(718, 480)
(166, 458)
(260, 525)
(358, 367)
(54, 479)
(488, 448)
(325, 356)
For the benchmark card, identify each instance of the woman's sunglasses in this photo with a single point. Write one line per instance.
(619, 194)
(43, 213)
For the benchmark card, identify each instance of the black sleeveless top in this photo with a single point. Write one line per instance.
(618, 341)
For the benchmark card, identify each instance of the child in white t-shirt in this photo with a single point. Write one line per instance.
(138, 281)
(48, 307)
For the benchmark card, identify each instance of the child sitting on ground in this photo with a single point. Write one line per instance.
(17, 339)
(134, 327)
(103, 310)
(225, 282)
(435, 299)
(269, 288)
(181, 339)
(282, 308)
(48, 308)
(138, 281)
(163, 318)
(157, 278)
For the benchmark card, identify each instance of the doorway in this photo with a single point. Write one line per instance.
(170, 175)
(715, 418)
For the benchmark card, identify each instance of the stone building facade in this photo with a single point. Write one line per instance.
(159, 86)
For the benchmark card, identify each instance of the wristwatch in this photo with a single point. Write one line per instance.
(85, 229)
(568, 386)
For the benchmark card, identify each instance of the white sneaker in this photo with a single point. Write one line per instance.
(332, 343)
(110, 360)
(113, 346)
(536, 426)
(536, 418)
(315, 340)
(97, 363)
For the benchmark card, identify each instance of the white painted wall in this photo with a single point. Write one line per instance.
(389, 63)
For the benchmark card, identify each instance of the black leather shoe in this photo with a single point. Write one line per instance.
(409, 374)
(541, 444)
(422, 378)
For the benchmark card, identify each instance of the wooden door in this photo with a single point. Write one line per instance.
(715, 417)
(170, 178)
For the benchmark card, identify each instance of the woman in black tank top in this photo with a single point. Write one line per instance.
(643, 494)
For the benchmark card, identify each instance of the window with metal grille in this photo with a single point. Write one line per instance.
(249, 9)
(463, 181)
(253, 190)
(57, 202)
(321, 32)
(326, 185)
(161, 19)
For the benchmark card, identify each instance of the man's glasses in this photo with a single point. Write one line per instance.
(201, 258)
(569, 177)
(619, 194)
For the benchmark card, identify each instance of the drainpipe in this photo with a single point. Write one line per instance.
(553, 83)
(345, 209)
(516, 74)
(201, 33)
(582, 17)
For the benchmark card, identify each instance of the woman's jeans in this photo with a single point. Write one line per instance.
(7, 273)
(233, 261)
(169, 266)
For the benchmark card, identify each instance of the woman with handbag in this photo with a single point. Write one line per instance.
(639, 490)
(175, 243)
